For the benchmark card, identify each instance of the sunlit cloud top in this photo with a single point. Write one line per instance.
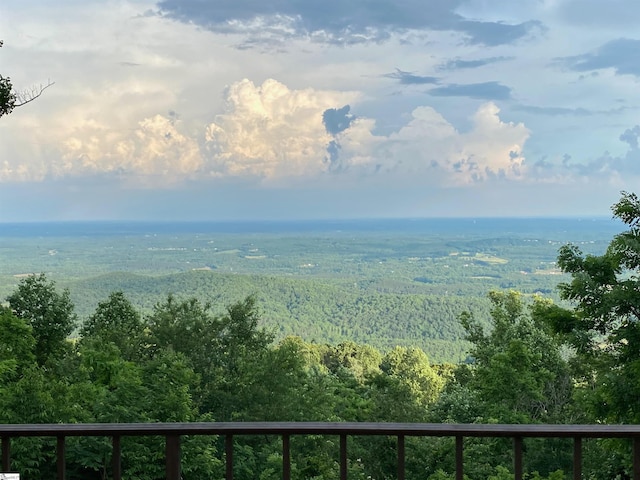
(298, 109)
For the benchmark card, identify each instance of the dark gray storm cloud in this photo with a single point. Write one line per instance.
(342, 21)
(333, 156)
(483, 91)
(459, 64)
(336, 120)
(408, 78)
(623, 55)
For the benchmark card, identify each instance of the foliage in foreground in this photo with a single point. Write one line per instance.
(536, 363)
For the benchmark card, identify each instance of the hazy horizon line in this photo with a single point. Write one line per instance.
(310, 220)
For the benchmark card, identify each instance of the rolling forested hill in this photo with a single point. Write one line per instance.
(383, 282)
(315, 310)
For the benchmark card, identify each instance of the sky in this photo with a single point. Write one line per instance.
(305, 109)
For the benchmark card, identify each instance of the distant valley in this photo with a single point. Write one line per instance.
(381, 282)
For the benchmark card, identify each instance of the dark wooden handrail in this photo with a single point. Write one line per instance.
(174, 431)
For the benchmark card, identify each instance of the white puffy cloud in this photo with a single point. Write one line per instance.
(429, 146)
(277, 134)
(493, 147)
(156, 151)
(272, 131)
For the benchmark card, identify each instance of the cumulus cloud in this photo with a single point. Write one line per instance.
(156, 149)
(155, 153)
(606, 169)
(272, 133)
(490, 149)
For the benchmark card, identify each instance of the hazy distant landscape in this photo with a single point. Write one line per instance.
(176, 183)
(380, 282)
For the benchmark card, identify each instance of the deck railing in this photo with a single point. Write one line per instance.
(174, 431)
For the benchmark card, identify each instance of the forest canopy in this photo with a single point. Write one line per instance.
(535, 362)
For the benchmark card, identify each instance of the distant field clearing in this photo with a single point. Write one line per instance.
(483, 257)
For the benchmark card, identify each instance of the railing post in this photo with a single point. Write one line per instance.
(172, 449)
(517, 458)
(228, 454)
(401, 457)
(116, 457)
(60, 464)
(577, 458)
(286, 457)
(343, 457)
(459, 457)
(636, 458)
(6, 453)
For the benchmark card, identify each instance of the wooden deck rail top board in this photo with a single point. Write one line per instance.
(320, 428)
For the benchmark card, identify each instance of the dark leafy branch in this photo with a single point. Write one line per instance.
(10, 99)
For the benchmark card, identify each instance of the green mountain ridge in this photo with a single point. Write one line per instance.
(317, 310)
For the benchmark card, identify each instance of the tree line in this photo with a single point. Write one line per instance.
(536, 362)
(316, 310)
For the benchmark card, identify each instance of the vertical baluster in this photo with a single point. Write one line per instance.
(60, 451)
(228, 452)
(401, 457)
(459, 458)
(286, 457)
(636, 458)
(343, 457)
(116, 457)
(517, 458)
(577, 458)
(6, 453)
(172, 449)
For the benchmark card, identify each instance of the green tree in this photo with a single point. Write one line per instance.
(49, 312)
(361, 361)
(227, 351)
(17, 345)
(604, 327)
(170, 382)
(406, 386)
(117, 321)
(7, 97)
(187, 327)
(518, 371)
(10, 99)
(239, 352)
